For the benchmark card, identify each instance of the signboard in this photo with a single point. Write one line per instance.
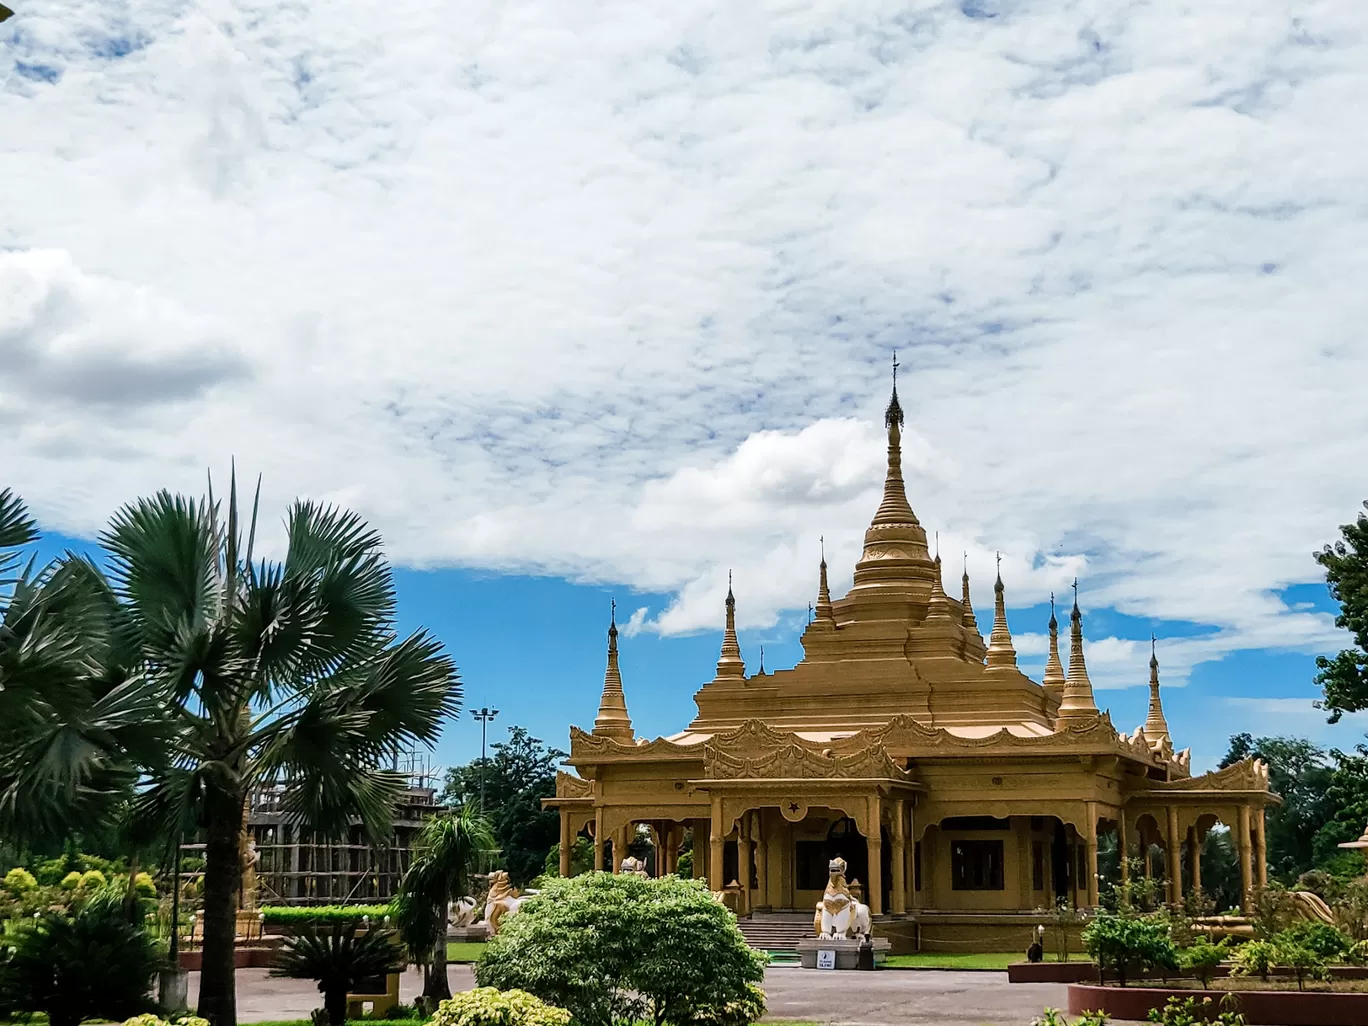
(826, 958)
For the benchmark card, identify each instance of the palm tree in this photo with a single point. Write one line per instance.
(449, 849)
(339, 960)
(74, 717)
(289, 673)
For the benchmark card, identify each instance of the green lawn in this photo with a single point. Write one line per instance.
(948, 960)
(465, 951)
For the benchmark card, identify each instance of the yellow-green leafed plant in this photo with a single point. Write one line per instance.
(18, 880)
(150, 1019)
(488, 1006)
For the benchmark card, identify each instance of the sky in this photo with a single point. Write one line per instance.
(578, 300)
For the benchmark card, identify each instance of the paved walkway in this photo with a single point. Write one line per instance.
(890, 997)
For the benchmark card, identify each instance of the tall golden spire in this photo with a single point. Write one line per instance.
(895, 544)
(1078, 700)
(612, 720)
(1000, 650)
(1054, 669)
(967, 615)
(939, 607)
(730, 664)
(823, 591)
(1156, 727)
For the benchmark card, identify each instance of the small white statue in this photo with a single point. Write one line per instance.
(503, 900)
(461, 912)
(838, 913)
(634, 867)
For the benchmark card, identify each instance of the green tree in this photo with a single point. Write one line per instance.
(1300, 772)
(1343, 679)
(449, 849)
(290, 673)
(517, 777)
(614, 949)
(1122, 943)
(1346, 803)
(339, 960)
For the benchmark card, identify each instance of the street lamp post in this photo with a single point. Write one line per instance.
(485, 716)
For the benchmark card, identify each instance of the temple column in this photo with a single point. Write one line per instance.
(1090, 840)
(899, 858)
(1122, 847)
(743, 862)
(1174, 865)
(913, 898)
(620, 842)
(1246, 869)
(565, 843)
(1021, 826)
(716, 837)
(1261, 849)
(874, 846)
(699, 858)
(1194, 858)
(761, 869)
(598, 840)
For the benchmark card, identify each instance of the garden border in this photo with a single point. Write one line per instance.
(1259, 1007)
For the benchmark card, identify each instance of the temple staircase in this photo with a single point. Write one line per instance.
(777, 933)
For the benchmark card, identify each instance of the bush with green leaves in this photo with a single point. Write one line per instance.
(488, 1006)
(616, 949)
(318, 914)
(1201, 958)
(71, 881)
(338, 959)
(1329, 943)
(152, 1019)
(1054, 1017)
(1254, 958)
(93, 962)
(1192, 1012)
(92, 879)
(19, 880)
(1123, 944)
(1305, 962)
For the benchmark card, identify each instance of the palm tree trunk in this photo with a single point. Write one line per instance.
(335, 1004)
(131, 897)
(436, 986)
(222, 872)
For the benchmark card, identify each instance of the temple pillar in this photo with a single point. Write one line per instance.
(1246, 868)
(1194, 858)
(566, 842)
(913, 898)
(874, 845)
(1261, 850)
(1174, 866)
(620, 842)
(899, 857)
(598, 840)
(1090, 841)
(761, 869)
(928, 866)
(743, 863)
(716, 837)
(1122, 848)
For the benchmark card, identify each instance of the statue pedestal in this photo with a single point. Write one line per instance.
(844, 952)
(477, 932)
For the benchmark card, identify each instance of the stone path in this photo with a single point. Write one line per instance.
(890, 997)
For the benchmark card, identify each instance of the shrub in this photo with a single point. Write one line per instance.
(616, 948)
(75, 967)
(151, 1019)
(1306, 963)
(338, 960)
(1275, 909)
(1191, 1012)
(1254, 958)
(92, 879)
(320, 914)
(19, 880)
(1350, 909)
(71, 881)
(1123, 943)
(1054, 1017)
(1326, 941)
(142, 883)
(486, 1006)
(1201, 959)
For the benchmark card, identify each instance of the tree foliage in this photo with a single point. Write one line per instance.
(615, 949)
(1124, 944)
(1343, 678)
(520, 773)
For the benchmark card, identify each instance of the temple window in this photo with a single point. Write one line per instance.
(976, 865)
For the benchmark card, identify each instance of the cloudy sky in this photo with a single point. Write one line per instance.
(586, 298)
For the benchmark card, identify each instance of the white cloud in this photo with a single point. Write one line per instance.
(608, 290)
(635, 624)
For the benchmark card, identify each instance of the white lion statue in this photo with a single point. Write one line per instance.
(503, 900)
(461, 912)
(838, 913)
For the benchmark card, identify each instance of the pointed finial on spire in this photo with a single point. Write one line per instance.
(762, 659)
(1000, 650)
(730, 663)
(823, 610)
(894, 413)
(1156, 727)
(1054, 669)
(1078, 702)
(612, 720)
(967, 616)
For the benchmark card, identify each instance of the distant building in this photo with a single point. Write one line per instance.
(962, 794)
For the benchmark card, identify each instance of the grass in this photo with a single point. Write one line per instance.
(465, 951)
(952, 960)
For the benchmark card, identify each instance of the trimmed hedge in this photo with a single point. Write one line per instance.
(323, 913)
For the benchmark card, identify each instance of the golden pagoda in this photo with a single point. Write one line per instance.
(963, 795)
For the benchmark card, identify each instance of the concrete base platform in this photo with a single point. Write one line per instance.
(466, 934)
(845, 952)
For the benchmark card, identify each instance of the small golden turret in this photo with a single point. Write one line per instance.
(1054, 669)
(730, 663)
(1156, 727)
(823, 591)
(612, 720)
(1078, 702)
(1001, 653)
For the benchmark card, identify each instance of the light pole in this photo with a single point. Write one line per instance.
(485, 716)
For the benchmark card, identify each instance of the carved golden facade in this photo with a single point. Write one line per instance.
(962, 793)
